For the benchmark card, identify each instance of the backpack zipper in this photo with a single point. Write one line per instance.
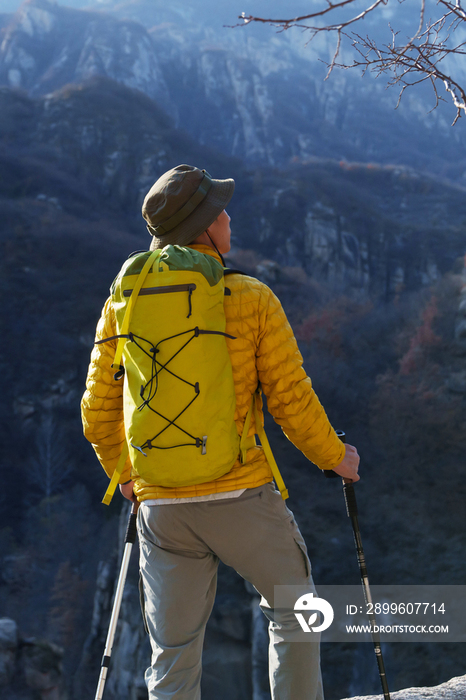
(165, 290)
(162, 290)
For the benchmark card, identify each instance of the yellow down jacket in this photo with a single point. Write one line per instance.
(265, 351)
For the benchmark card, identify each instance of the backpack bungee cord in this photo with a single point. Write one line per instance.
(153, 383)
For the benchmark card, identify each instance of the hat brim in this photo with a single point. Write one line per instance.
(200, 219)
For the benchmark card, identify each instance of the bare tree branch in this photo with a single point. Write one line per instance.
(331, 7)
(408, 63)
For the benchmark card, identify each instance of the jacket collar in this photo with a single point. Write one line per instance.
(206, 249)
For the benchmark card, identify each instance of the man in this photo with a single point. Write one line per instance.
(239, 518)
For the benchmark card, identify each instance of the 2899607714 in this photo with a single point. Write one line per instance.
(397, 609)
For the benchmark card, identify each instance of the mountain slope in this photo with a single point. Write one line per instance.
(250, 94)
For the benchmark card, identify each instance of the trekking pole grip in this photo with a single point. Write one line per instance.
(348, 488)
(132, 530)
(329, 473)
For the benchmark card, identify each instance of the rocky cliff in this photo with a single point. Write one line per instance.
(454, 689)
(250, 94)
(46, 46)
(29, 667)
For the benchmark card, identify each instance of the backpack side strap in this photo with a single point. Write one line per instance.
(245, 443)
(116, 475)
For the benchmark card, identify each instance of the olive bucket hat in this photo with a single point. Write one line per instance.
(182, 204)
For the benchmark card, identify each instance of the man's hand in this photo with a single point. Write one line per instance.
(348, 467)
(127, 491)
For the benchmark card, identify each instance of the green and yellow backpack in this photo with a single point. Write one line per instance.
(179, 396)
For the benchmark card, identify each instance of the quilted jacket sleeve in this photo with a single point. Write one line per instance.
(102, 403)
(290, 397)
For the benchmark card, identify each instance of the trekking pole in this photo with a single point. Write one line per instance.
(352, 510)
(130, 539)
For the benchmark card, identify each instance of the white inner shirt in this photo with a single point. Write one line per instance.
(194, 499)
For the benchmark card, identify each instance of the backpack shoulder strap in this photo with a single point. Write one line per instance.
(230, 271)
(122, 338)
(245, 442)
(129, 309)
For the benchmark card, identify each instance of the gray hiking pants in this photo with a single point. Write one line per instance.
(180, 547)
